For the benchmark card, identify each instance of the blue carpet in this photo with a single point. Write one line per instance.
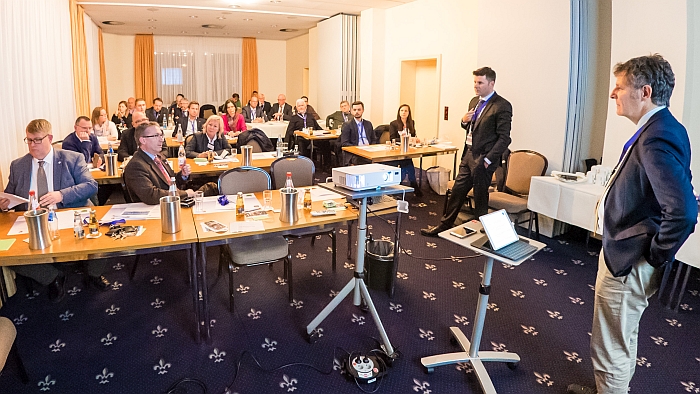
(138, 336)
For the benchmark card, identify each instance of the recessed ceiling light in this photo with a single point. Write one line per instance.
(183, 32)
(153, 20)
(247, 19)
(259, 32)
(206, 32)
(212, 26)
(113, 23)
(193, 16)
(184, 65)
(288, 30)
(235, 6)
(152, 27)
(273, 25)
(221, 18)
(275, 1)
(227, 34)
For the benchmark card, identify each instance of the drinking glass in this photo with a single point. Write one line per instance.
(234, 152)
(267, 199)
(198, 202)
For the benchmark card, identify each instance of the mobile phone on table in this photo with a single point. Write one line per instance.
(462, 232)
(215, 226)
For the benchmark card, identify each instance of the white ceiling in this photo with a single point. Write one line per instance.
(184, 18)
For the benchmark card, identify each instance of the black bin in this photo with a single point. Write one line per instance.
(379, 260)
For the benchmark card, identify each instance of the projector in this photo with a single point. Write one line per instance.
(366, 176)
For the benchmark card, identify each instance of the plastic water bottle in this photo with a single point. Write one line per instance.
(53, 224)
(110, 150)
(172, 190)
(288, 184)
(181, 155)
(33, 202)
(280, 153)
(78, 230)
(165, 122)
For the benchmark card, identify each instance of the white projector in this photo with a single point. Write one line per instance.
(366, 176)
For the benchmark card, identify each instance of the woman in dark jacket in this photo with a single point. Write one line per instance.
(401, 126)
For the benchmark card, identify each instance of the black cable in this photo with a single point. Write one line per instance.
(202, 385)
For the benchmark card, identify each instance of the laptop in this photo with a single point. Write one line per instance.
(501, 238)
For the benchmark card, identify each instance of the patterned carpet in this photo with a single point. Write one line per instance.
(138, 336)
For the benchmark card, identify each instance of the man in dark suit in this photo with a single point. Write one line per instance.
(157, 111)
(252, 113)
(310, 109)
(357, 132)
(299, 122)
(61, 179)
(146, 176)
(648, 210)
(84, 142)
(212, 139)
(280, 110)
(488, 136)
(337, 118)
(265, 105)
(191, 123)
(128, 145)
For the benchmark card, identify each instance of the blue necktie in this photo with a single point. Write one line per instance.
(479, 107)
(630, 142)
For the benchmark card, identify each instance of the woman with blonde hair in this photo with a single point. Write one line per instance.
(101, 126)
(212, 138)
(234, 123)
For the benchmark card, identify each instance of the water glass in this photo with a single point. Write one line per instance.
(267, 200)
(234, 152)
(198, 202)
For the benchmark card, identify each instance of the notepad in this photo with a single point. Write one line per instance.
(6, 244)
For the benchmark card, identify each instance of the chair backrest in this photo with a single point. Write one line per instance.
(256, 147)
(523, 165)
(302, 169)
(125, 191)
(244, 180)
(207, 110)
(383, 132)
(57, 144)
(189, 137)
(8, 333)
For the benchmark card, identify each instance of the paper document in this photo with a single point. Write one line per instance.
(14, 200)
(65, 220)
(245, 227)
(374, 148)
(250, 202)
(443, 145)
(264, 155)
(321, 194)
(134, 211)
(6, 244)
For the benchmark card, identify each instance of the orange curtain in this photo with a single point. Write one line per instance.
(80, 63)
(103, 76)
(250, 68)
(144, 65)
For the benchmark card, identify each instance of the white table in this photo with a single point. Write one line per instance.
(271, 129)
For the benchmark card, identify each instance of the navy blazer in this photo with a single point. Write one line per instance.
(70, 176)
(247, 112)
(86, 148)
(154, 116)
(650, 209)
(491, 131)
(199, 142)
(286, 111)
(181, 124)
(349, 136)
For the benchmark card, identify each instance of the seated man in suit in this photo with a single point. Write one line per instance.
(128, 145)
(337, 118)
(265, 105)
(280, 110)
(212, 139)
(180, 111)
(147, 175)
(61, 179)
(253, 113)
(298, 122)
(191, 123)
(357, 132)
(176, 104)
(157, 112)
(84, 142)
(309, 109)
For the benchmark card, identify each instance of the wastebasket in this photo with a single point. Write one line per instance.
(379, 261)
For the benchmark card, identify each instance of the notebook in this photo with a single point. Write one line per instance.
(501, 238)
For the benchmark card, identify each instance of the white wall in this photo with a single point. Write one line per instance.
(119, 68)
(527, 44)
(667, 36)
(297, 61)
(329, 61)
(272, 68)
(691, 116)
(313, 66)
(372, 41)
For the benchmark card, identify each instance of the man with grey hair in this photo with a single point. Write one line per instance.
(647, 211)
(281, 110)
(301, 120)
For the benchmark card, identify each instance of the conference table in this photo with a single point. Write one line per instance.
(67, 248)
(317, 135)
(575, 203)
(382, 153)
(276, 128)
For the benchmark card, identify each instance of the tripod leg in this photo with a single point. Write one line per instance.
(382, 332)
(331, 306)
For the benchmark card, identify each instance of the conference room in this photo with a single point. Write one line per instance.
(185, 105)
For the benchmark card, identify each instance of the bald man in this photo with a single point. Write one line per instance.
(281, 110)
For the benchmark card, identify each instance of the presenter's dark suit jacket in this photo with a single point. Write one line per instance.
(491, 131)
(350, 137)
(181, 124)
(198, 144)
(650, 209)
(70, 176)
(247, 112)
(146, 183)
(286, 111)
(296, 123)
(128, 145)
(156, 117)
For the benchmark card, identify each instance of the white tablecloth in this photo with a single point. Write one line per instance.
(271, 129)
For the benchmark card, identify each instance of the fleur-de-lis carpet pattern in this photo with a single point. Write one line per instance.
(138, 336)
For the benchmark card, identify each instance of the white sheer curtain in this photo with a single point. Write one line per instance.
(204, 69)
(37, 78)
(93, 56)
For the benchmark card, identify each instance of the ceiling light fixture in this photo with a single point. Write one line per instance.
(199, 8)
(273, 25)
(194, 16)
(275, 1)
(288, 30)
(112, 23)
(235, 6)
(151, 27)
(247, 19)
(153, 20)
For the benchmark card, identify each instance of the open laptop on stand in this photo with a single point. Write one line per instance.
(501, 238)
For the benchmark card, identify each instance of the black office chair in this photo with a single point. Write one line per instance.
(383, 132)
(244, 251)
(302, 169)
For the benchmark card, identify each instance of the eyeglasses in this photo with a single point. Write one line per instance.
(159, 135)
(36, 141)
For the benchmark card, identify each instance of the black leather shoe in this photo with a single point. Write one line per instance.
(433, 231)
(57, 289)
(578, 389)
(416, 190)
(100, 282)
